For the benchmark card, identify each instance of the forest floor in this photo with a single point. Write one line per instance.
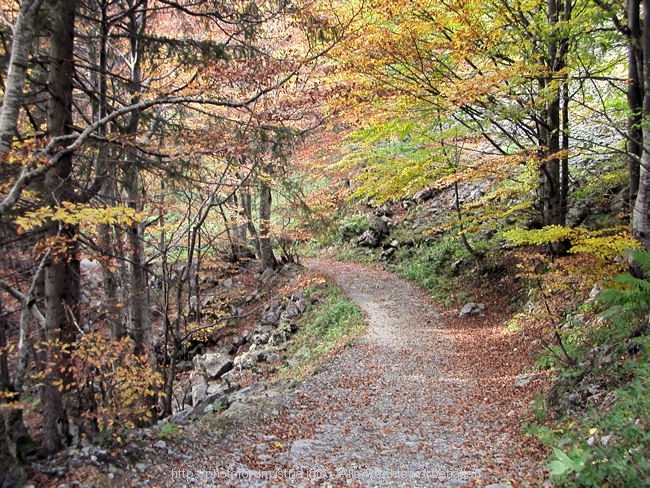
(422, 398)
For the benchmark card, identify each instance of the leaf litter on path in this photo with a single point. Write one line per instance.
(418, 401)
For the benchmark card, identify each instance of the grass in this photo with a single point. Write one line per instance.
(333, 323)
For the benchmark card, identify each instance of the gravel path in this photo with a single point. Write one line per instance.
(386, 412)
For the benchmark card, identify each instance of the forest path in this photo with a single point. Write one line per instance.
(391, 410)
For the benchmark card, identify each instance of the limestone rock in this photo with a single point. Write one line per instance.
(199, 388)
(524, 380)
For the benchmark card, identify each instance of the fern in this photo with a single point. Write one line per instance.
(628, 295)
(642, 258)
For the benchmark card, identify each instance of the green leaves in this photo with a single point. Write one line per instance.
(564, 464)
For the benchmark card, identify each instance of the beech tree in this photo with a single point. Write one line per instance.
(507, 73)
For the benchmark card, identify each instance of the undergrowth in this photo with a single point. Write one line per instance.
(431, 266)
(600, 435)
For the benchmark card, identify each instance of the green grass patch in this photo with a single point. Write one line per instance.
(333, 323)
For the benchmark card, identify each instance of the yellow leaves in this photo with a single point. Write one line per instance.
(75, 214)
(122, 382)
(605, 244)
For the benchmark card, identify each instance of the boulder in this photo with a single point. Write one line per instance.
(369, 238)
(423, 195)
(277, 338)
(213, 364)
(524, 380)
(218, 401)
(271, 317)
(290, 311)
(302, 305)
(381, 225)
(250, 358)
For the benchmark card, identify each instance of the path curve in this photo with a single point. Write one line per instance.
(386, 412)
(391, 411)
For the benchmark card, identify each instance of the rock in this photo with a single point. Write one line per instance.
(604, 356)
(199, 388)
(633, 347)
(249, 359)
(160, 444)
(183, 366)
(472, 309)
(290, 311)
(212, 403)
(91, 274)
(267, 274)
(260, 338)
(389, 250)
(606, 440)
(386, 254)
(381, 225)
(369, 238)
(182, 417)
(218, 388)
(213, 364)
(271, 317)
(277, 337)
(524, 380)
(238, 341)
(423, 195)
(302, 305)
(476, 195)
(593, 294)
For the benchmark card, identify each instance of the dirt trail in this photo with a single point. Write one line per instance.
(388, 411)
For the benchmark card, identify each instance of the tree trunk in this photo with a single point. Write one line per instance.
(635, 93)
(111, 237)
(266, 246)
(247, 212)
(640, 218)
(139, 298)
(551, 130)
(18, 63)
(13, 432)
(62, 269)
(553, 126)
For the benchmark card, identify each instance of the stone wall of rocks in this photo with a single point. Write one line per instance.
(214, 383)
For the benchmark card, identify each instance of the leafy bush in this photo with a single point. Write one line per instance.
(429, 265)
(353, 226)
(120, 386)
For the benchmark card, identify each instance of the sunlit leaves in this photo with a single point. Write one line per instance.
(75, 214)
(607, 243)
